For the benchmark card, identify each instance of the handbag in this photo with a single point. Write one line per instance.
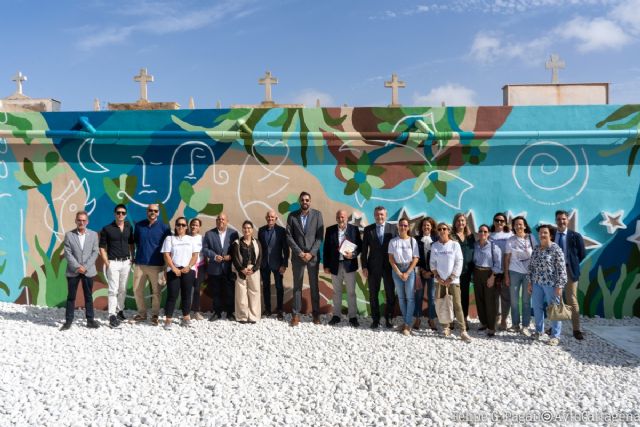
(558, 311)
(444, 307)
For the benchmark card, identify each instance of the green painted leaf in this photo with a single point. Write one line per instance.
(5, 288)
(430, 191)
(212, 209)
(366, 190)
(441, 187)
(419, 182)
(346, 173)
(131, 183)
(350, 163)
(233, 114)
(51, 159)
(351, 187)
(364, 163)
(26, 187)
(104, 292)
(375, 182)
(620, 114)
(29, 170)
(186, 191)
(200, 199)
(632, 157)
(283, 207)
(31, 285)
(417, 170)
(111, 188)
(280, 120)
(376, 170)
(330, 120)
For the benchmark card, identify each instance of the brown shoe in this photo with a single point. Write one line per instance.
(138, 318)
(154, 320)
(295, 320)
(316, 319)
(432, 325)
(416, 323)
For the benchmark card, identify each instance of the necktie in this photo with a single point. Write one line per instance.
(380, 233)
(561, 242)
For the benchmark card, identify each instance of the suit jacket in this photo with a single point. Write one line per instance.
(300, 240)
(331, 253)
(575, 251)
(85, 256)
(211, 247)
(275, 251)
(375, 256)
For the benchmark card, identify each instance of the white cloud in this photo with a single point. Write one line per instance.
(594, 34)
(308, 97)
(162, 18)
(450, 93)
(490, 47)
(628, 14)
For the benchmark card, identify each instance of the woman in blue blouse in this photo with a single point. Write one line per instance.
(547, 277)
(487, 261)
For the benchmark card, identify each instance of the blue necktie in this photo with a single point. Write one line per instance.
(380, 233)
(561, 242)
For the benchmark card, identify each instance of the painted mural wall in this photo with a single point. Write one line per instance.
(44, 181)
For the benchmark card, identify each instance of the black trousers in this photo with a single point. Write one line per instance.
(375, 277)
(222, 289)
(265, 274)
(179, 285)
(202, 275)
(72, 290)
(465, 284)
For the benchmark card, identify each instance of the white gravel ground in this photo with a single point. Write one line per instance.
(227, 374)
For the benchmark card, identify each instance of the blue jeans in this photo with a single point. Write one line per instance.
(540, 296)
(405, 291)
(419, 297)
(518, 287)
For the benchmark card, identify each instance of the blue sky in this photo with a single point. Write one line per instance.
(457, 51)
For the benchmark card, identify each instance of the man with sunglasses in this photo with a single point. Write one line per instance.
(149, 262)
(116, 247)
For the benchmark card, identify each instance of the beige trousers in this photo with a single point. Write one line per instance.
(571, 299)
(248, 301)
(454, 290)
(141, 274)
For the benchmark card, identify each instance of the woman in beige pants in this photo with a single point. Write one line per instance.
(246, 257)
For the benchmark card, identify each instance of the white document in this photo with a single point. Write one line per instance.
(347, 247)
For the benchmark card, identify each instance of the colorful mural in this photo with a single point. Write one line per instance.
(415, 161)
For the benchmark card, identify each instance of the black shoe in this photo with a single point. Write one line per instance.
(388, 323)
(114, 322)
(354, 322)
(231, 317)
(334, 321)
(549, 331)
(92, 324)
(375, 324)
(267, 313)
(578, 335)
(215, 316)
(66, 326)
(121, 316)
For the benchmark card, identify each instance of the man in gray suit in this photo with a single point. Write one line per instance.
(220, 282)
(305, 230)
(81, 252)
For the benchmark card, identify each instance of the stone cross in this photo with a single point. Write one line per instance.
(96, 104)
(192, 103)
(19, 78)
(143, 78)
(554, 64)
(394, 84)
(267, 81)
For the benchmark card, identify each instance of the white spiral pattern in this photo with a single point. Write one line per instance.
(551, 173)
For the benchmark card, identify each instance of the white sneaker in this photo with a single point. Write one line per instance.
(554, 341)
(168, 326)
(526, 332)
(446, 331)
(198, 316)
(515, 328)
(465, 337)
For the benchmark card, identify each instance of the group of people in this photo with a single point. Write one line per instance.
(512, 270)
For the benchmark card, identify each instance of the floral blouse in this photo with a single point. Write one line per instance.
(547, 266)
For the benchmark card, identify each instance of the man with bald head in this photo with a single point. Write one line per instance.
(216, 245)
(341, 261)
(275, 255)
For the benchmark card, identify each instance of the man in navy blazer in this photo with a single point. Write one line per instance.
(305, 230)
(216, 244)
(572, 244)
(376, 266)
(80, 251)
(275, 259)
(342, 264)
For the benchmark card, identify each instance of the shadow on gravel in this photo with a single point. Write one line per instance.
(42, 316)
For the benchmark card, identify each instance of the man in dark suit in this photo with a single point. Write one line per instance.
(375, 264)
(305, 230)
(342, 263)
(81, 252)
(216, 244)
(572, 244)
(275, 259)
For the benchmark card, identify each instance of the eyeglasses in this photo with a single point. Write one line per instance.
(121, 212)
(181, 225)
(305, 200)
(153, 210)
(498, 220)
